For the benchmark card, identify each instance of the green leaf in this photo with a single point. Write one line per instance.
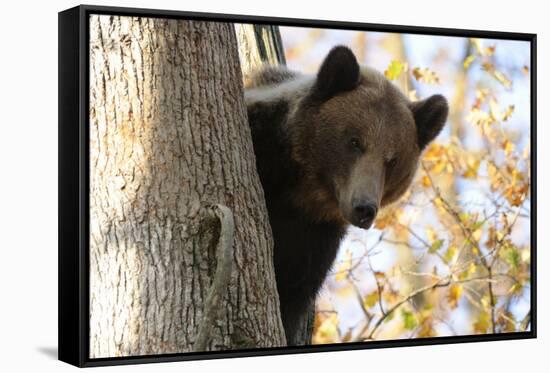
(478, 225)
(390, 317)
(515, 289)
(409, 319)
(464, 217)
(513, 257)
(451, 252)
(436, 245)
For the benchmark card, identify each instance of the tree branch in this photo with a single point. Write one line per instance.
(441, 283)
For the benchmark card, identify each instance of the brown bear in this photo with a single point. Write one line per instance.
(330, 149)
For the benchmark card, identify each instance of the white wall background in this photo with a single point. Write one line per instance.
(28, 184)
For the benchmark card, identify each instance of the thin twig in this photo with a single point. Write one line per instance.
(441, 283)
(525, 322)
(378, 287)
(492, 300)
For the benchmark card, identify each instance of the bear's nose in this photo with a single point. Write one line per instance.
(364, 214)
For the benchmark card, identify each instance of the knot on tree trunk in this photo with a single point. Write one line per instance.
(224, 254)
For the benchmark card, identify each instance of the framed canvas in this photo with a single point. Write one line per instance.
(235, 186)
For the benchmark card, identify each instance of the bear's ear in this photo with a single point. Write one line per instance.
(429, 115)
(339, 72)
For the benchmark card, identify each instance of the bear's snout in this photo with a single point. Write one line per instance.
(363, 213)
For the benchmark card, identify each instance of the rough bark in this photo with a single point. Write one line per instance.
(170, 148)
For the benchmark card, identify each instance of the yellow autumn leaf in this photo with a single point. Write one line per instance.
(494, 176)
(426, 182)
(502, 79)
(479, 117)
(526, 255)
(515, 194)
(340, 276)
(506, 321)
(439, 167)
(482, 323)
(379, 275)
(327, 332)
(343, 268)
(476, 234)
(472, 269)
(468, 61)
(383, 221)
(489, 51)
(394, 70)
(430, 234)
(487, 66)
(482, 94)
(516, 288)
(455, 292)
(451, 254)
(425, 75)
(347, 337)
(498, 75)
(371, 299)
(508, 147)
(426, 331)
(434, 152)
(507, 113)
(472, 167)
(438, 202)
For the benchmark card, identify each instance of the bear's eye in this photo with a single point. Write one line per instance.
(391, 163)
(356, 146)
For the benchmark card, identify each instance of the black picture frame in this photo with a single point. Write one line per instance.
(73, 71)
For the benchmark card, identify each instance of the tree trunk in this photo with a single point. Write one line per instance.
(261, 45)
(172, 171)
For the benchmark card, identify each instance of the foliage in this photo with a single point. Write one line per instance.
(457, 246)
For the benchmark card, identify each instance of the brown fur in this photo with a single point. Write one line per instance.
(330, 150)
(386, 127)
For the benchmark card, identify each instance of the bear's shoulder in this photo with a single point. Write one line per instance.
(269, 76)
(271, 94)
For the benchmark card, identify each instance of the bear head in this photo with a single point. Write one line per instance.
(357, 140)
